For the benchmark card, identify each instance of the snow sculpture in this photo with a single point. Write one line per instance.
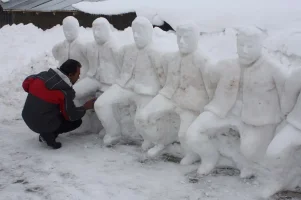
(246, 99)
(184, 92)
(103, 70)
(139, 79)
(281, 151)
(71, 48)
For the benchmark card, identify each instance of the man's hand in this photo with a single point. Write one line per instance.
(89, 104)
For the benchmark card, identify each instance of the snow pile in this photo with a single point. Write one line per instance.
(285, 47)
(214, 15)
(20, 43)
(12, 95)
(25, 50)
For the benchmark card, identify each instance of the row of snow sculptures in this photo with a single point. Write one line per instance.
(251, 95)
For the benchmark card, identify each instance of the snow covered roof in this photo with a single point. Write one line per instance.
(211, 16)
(40, 5)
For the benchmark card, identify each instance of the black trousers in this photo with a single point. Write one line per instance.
(65, 127)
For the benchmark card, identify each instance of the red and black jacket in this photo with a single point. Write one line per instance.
(49, 102)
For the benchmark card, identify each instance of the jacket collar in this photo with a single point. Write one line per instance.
(63, 76)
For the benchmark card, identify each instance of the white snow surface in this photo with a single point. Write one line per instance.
(83, 168)
(213, 15)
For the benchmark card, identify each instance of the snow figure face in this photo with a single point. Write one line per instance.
(249, 45)
(101, 30)
(70, 28)
(187, 37)
(142, 31)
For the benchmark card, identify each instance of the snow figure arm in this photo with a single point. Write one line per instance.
(83, 56)
(114, 53)
(291, 91)
(119, 56)
(156, 59)
(225, 78)
(90, 52)
(279, 74)
(167, 90)
(204, 65)
(56, 51)
(86, 49)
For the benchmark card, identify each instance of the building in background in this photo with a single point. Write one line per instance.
(47, 13)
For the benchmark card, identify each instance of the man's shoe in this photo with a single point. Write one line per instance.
(54, 145)
(41, 139)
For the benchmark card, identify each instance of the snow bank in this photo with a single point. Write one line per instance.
(25, 50)
(214, 15)
(285, 47)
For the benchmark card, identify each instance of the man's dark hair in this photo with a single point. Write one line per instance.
(69, 67)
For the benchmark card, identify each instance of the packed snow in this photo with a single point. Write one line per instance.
(214, 15)
(83, 168)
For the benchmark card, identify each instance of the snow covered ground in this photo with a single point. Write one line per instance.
(83, 169)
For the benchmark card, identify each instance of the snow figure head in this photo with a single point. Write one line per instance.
(188, 37)
(101, 30)
(70, 28)
(142, 31)
(249, 44)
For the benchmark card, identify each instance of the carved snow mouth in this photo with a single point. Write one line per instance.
(244, 58)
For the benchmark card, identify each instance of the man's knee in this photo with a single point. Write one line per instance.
(77, 123)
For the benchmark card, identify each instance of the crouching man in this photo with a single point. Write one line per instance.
(49, 108)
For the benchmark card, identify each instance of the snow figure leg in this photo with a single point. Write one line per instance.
(280, 160)
(104, 110)
(286, 141)
(146, 121)
(86, 87)
(84, 90)
(141, 101)
(198, 139)
(187, 117)
(254, 141)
